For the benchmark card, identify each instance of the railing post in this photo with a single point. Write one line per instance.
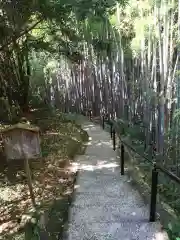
(122, 159)
(154, 184)
(90, 115)
(111, 130)
(123, 132)
(114, 139)
(103, 126)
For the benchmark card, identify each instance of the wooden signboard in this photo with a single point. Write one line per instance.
(21, 141)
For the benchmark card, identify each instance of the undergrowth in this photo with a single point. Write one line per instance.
(169, 190)
(53, 181)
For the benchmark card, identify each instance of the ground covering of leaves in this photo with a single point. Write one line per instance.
(53, 181)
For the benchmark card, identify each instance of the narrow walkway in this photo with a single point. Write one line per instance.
(106, 206)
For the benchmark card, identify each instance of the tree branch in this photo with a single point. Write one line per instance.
(14, 38)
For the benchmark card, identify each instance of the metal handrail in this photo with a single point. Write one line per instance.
(156, 166)
(170, 174)
(162, 169)
(135, 151)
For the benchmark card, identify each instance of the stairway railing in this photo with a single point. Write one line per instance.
(156, 168)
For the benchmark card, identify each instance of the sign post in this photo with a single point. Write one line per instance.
(21, 141)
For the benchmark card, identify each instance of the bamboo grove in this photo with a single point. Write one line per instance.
(118, 59)
(130, 71)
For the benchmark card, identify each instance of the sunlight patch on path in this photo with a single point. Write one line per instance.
(106, 206)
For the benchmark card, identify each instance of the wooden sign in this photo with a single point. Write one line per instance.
(21, 141)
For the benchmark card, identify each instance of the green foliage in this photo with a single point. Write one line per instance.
(176, 115)
(135, 132)
(168, 189)
(52, 28)
(173, 230)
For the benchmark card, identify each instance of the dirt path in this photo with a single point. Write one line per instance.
(106, 206)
